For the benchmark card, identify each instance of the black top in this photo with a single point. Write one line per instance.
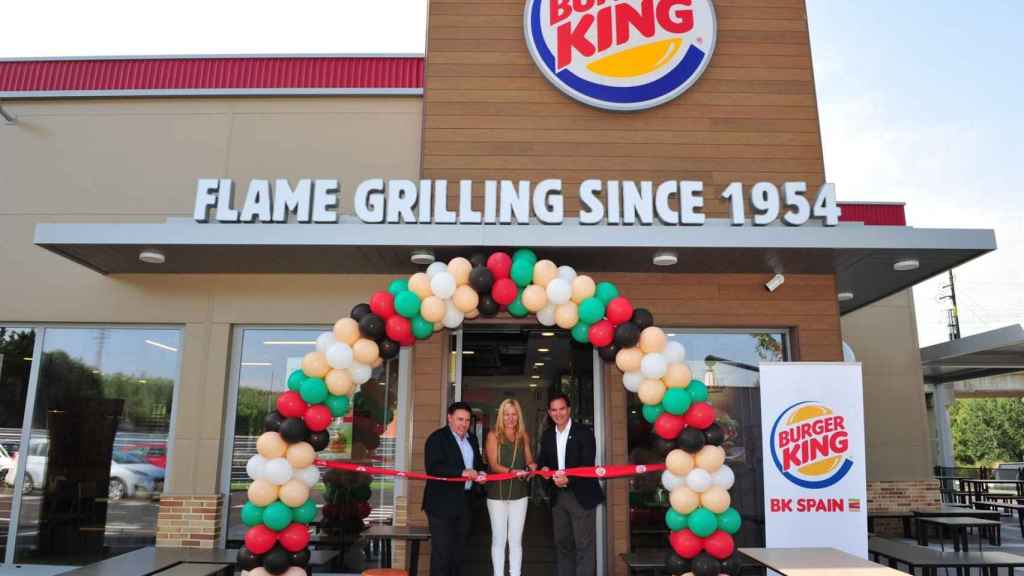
(580, 450)
(442, 457)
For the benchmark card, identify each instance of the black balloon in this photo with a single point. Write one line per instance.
(662, 446)
(272, 423)
(372, 326)
(642, 317)
(277, 561)
(478, 260)
(676, 564)
(359, 310)
(607, 353)
(319, 440)
(732, 565)
(714, 435)
(247, 560)
(388, 348)
(300, 558)
(705, 564)
(481, 280)
(487, 306)
(627, 335)
(691, 440)
(293, 430)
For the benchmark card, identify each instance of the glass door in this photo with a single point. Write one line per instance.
(17, 350)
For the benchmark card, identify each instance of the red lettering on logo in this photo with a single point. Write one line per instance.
(574, 39)
(627, 18)
(679, 20)
(559, 11)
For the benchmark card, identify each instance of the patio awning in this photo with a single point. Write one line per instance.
(999, 351)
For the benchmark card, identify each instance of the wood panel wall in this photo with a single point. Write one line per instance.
(490, 114)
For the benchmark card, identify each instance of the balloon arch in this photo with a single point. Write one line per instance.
(700, 518)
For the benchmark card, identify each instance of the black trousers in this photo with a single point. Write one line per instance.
(448, 542)
(574, 528)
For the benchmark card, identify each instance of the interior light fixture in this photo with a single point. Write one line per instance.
(162, 346)
(27, 358)
(906, 265)
(256, 364)
(533, 385)
(422, 257)
(538, 363)
(665, 258)
(289, 343)
(468, 352)
(535, 377)
(152, 257)
(543, 350)
(547, 333)
(844, 296)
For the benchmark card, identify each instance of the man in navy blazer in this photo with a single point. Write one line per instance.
(571, 444)
(451, 452)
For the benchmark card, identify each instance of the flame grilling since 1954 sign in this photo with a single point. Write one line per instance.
(621, 54)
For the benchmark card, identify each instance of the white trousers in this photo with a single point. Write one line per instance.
(507, 519)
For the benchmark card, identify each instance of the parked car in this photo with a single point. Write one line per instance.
(1010, 471)
(130, 474)
(155, 454)
(6, 462)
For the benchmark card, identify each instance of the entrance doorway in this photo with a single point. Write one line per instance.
(528, 363)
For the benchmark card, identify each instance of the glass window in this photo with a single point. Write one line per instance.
(16, 346)
(367, 435)
(727, 363)
(103, 398)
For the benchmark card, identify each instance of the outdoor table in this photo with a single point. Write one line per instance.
(816, 562)
(151, 560)
(978, 486)
(958, 527)
(645, 561)
(412, 534)
(929, 560)
(990, 505)
(905, 517)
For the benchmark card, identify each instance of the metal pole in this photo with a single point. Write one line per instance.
(956, 317)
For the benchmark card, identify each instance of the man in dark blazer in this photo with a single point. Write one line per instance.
(450, 452)
(570, 444)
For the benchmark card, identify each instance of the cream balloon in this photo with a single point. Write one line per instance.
(628, 359)
(546, 315)
(360, 373)
(670, 481)
(278, 471)
(339, 382)
(436, 268)
(652, 339)
(534, 298)
(270, 445)
(460, 268)
(567, 315)
(309, 475)
(465, 299)
(651, 392)
(653, 365)
(339, 356)
(474, 313)
(256, 466)
(558, 291)
(262, 493)
(346, 330)
(677, 375)
(716, 499)
(583, 287)
(419, 284)
(698, 480)
(300, 455)
(261, 571)
(432, 308)
(377, 363)
(544, 271)
(723, 477)
(443, 285)
(453, 317)
(325, 341)
(684, 500)
(567, 273)
(710, 458)
(679, 462)
(315, 365)
(294, 493)
(632, 380)
(674, 351)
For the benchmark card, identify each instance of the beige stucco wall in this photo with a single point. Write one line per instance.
(884, 339)
(137, 160)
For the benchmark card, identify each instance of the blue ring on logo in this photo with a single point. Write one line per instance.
(619, 94)
(811, 484)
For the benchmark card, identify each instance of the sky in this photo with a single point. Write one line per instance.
(919, 101)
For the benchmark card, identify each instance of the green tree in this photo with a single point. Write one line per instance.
(253, 406)
(987, 430)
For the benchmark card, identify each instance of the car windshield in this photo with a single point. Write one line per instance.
(128, 458)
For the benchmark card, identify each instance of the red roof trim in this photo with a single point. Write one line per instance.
(229, 74)
(873, 214)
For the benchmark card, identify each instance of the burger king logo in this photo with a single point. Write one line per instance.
(809, 445)
(621, 54)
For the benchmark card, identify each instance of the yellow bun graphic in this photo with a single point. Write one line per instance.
(638, 60)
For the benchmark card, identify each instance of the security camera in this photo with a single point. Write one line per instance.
(775, 282)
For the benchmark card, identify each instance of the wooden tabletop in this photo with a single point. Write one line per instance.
(816, 562)
(398, 532)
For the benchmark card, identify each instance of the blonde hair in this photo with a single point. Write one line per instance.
(499, 426)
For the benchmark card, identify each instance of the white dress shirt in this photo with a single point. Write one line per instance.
(561, 438)
(467, 454)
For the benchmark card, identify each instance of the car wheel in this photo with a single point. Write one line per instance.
(117, 489)
(28, 486)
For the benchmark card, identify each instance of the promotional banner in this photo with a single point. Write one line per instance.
(815, 485)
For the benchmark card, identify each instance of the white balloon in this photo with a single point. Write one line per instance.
(360, 373)
(559, 291)
(339, 355)
(436, 268)
(546, 315)
(442, 285)
(698, 480)
(653, 366)
(278, 471)
(567, 273)
(453, 317)
(324, 342)
(256, 467)
(674, 352)
(723, 477)
(308, 476)
(670, 481)
(632, 380)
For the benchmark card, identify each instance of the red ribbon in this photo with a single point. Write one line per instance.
(599, 472)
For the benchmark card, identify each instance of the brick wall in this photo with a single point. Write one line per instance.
(900, 495)
(189, 521)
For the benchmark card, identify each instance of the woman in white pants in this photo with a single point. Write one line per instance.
(508, 450)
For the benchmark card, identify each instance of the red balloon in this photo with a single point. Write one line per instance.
(399, 329)
(669, 426)
(700, 415)
(619, 310)
(601, 333)
(382, 303)
(504, 291)
(291, 405)
(260, 539)
(720, 545)
(317, 417)
(500, 265)
(294, 538)
(686, 543)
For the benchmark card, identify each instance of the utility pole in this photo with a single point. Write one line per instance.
(953, 318)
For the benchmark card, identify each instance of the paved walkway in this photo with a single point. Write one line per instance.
(1013, 542)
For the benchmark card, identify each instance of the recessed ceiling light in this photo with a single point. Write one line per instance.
(538, 363)
(152, 257)
(905, 265)
(533, 385)
(665, 258)
(423, 257)
(547, 333)
(844, 296)
(535, 377)
(468, 352)
(543, 350)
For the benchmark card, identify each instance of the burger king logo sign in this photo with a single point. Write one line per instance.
(809, 445)
(621, 54)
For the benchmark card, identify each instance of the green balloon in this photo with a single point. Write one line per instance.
(398, 286)
(591, 310)
(606, 292)
(698, 391)
(421, 329)
(702, 522)
(313, 390)
(516, 308)
(676, 401)
(338, 405)
(674, 520)
(581, 332)
(729, 521)
(252, 515)
(295, 380)
(361, 493)
(525, 254)
(305, 513)
(407, 304)
(651, 412)
(522, 272)
(277, 516)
